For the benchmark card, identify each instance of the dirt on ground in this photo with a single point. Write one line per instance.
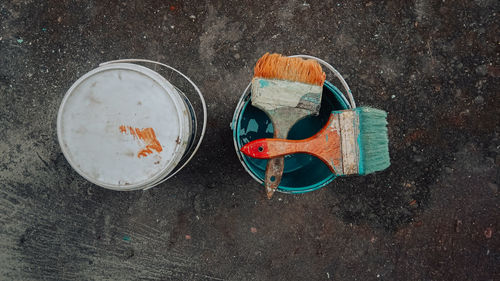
(434, 66)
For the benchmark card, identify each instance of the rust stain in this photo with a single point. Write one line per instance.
(494, 71)
(147, 136)
(416, 135)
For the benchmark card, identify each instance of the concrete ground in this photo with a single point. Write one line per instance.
(434, 66)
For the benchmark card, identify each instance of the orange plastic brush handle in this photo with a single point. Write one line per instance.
(325, 145)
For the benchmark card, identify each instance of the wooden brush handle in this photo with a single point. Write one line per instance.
(274, 173)
(275, 167)
(325, 145)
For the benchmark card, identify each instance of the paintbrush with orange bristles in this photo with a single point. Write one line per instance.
(287, 90)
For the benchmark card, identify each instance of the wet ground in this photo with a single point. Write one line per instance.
(434, 66)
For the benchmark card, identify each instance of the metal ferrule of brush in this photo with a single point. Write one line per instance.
(272, 94)
(364, 141)
(348, 124)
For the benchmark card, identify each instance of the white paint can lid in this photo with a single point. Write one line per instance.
(123, 126)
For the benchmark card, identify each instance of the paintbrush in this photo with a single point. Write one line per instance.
(287, 90)
(352, 142)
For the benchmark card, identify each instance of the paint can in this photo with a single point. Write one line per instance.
(302, 172)
(124, 126)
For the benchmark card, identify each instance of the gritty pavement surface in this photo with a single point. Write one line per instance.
(434, 66)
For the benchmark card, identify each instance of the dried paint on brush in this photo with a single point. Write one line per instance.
(276, 66)
(289, 83)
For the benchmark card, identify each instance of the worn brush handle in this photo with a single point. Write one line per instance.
(325, 145)
(274, 169)
(274, 173)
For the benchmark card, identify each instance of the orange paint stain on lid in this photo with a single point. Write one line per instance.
(147, 136)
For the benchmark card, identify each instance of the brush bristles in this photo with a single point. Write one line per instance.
(373, 140)
(276, 66)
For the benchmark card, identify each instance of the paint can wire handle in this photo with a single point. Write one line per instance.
(203, 104)
(336, 73)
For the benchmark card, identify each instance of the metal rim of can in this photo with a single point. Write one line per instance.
(349, 100)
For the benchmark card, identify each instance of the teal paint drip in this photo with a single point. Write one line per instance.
(263, 83)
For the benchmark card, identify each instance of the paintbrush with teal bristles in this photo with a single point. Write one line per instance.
(353, 141)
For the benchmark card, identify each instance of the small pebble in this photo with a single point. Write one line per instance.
(479, 100)
(393, 96)
(488, 232)
(482, 69)
(493, 187)
(458, 225)
(129, 253)
(192, 16)
(418, 158)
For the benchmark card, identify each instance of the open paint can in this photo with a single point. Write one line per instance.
(124, 126)
(302, 172)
